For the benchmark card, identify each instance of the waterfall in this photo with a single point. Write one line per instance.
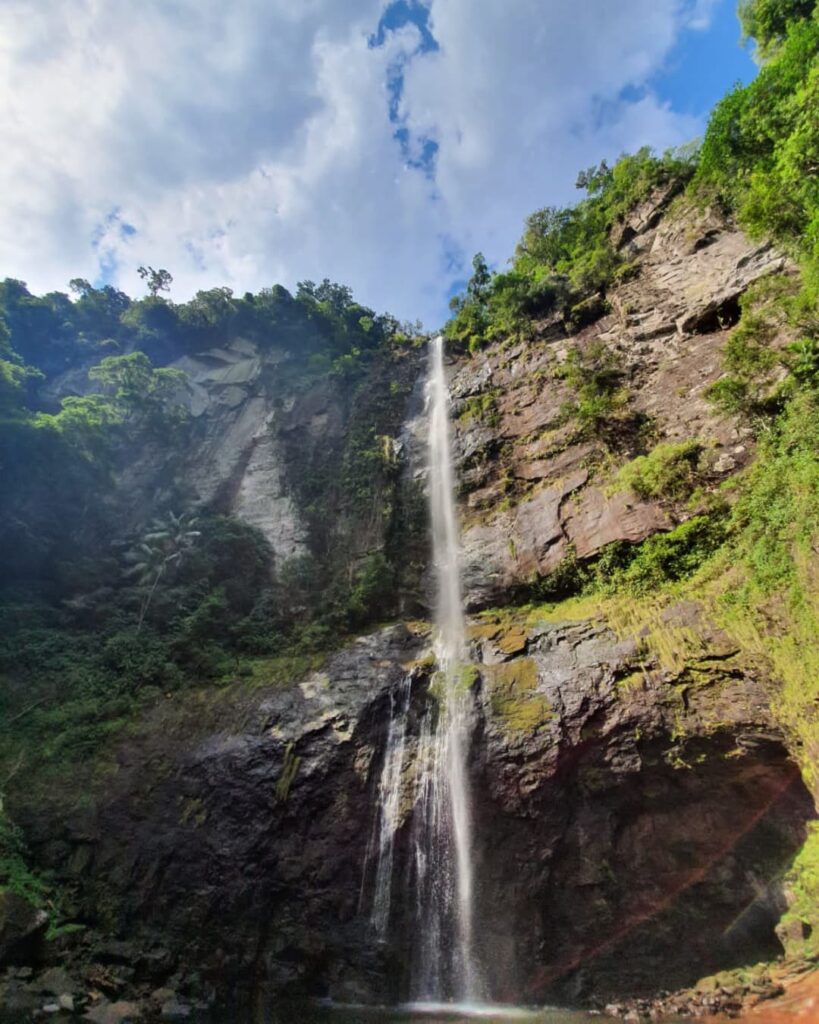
(443, 830)
(440, 875)
(385, 825)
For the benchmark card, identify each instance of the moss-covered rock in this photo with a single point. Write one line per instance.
(514, 698)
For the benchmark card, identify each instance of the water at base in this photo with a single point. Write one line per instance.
(428, 1014)
(473, 1011)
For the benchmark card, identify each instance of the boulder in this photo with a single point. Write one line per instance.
(114, 1013)
(22, 928)
(174, 1010)
(54, 982)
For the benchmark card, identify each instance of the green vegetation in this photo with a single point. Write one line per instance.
(760, 151)
(290, 768)
(753, 385)
(514, 698)
(776, 518)
(595, 375)
(767, 21)
(107, 605)
(565, 255)
(481, 409)
(668, 471)
(19, 878)
(802, 881)
(15, 874)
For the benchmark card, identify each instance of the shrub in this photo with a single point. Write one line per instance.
(668, 471)
(668, 557)
(753, 365)
(595, 375)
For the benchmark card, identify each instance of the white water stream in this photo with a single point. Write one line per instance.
(447, 963)
(445, 967)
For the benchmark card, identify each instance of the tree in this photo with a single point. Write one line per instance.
(79, 286)
(481, 279)
(156, 280)
(160, 549)
(147, 396)
(766, 21)
(594, 178)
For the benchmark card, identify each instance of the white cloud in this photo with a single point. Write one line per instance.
(251, 142)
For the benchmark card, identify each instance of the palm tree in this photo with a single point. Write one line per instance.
(162, 547)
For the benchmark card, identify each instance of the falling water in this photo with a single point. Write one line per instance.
(443, 833)
(385, 825)
(441, 876)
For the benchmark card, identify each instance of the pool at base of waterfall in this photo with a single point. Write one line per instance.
(416, 1013)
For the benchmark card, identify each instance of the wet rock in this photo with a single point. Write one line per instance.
(174, 1010)
(115, 952)
(163, 995)
(22, 928)
(607, 807)
(114, 1013)
(54, 981)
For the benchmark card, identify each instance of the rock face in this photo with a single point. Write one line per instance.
(631, 823)
(310, 456)
(635, 805)
(640, 799)
(536, 487)
(237, 452)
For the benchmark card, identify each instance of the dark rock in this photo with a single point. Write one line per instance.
(22, 929)
(115, 952)
(163, 995)
(604, 807)
(55, 981)
(114, 1013)
(174, 1010)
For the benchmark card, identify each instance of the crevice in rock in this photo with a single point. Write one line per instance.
(715, 317)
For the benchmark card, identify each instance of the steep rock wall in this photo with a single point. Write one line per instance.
(536, 486)
(633, 820)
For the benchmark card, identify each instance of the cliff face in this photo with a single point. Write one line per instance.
(270, 444)
(633, 820)
(536, 486)
(637, 805)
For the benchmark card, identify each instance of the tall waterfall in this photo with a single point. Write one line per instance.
(439, 885)
(443, 825)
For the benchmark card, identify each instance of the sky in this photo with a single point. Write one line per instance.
(379, 144)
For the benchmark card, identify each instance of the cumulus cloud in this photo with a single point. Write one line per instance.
(265, 140)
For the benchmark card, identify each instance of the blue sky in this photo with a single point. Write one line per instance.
(380, 145)
(705, 64)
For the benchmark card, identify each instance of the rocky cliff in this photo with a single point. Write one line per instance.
(638, 801)
(536, 486)
(634, 820)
